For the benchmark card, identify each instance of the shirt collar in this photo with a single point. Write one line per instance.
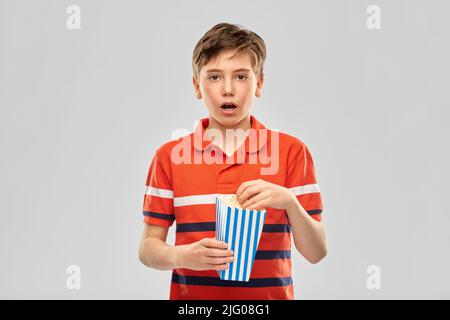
(202, 143)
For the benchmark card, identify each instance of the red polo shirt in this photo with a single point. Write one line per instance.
(182, 185)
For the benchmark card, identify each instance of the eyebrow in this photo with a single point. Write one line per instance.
(237, 70)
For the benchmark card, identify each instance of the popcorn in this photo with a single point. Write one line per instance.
(241, 229)
(231, 201)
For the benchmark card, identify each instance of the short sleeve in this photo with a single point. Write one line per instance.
(158, 196)
(302, 180)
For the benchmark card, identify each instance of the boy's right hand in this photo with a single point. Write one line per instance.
(205, 254)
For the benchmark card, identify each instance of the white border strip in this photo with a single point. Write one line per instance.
(309, 188)
(197, 199)
(162, 193)
(211, 198)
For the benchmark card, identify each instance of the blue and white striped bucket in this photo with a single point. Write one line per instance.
(241, 229)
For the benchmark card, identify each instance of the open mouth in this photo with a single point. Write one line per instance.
(228, 106)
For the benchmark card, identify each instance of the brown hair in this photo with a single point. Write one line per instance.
(225, 36)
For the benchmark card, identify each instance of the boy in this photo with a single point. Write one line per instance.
(228, 74)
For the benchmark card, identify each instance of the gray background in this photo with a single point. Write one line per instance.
(82, 111)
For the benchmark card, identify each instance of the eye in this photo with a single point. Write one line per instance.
(241, 77)
(214, 77)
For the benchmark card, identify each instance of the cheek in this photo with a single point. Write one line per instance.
(211, 95)
(203, 89)
(209, 91)
(248, 91)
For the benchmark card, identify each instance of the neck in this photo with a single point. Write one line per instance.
(244, 124)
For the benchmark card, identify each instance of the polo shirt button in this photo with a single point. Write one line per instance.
(213, 153)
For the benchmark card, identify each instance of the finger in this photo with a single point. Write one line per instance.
(260, 204)
(256, 198)
(218, 266)
(245, 185)
(219, 253)
(214, 243)
(215, 261)
(250, 192)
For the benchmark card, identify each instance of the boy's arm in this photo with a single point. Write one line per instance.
(154, 252)
(309, 235)
(205, 254)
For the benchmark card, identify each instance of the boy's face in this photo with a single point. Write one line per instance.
(223, 80)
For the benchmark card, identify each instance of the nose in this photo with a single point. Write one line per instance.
(228, 87)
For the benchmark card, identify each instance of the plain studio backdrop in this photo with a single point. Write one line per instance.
(83, 110)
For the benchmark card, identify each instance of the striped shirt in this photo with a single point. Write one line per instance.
(185, 192)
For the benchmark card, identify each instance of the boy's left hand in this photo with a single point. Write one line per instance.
(259, 194)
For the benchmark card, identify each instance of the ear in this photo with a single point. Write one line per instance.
(259, 85)
(198, 93)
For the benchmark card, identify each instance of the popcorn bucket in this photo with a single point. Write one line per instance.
(241, 229)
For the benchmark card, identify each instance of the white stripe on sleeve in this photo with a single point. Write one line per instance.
(308, 188)
(162, 193)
